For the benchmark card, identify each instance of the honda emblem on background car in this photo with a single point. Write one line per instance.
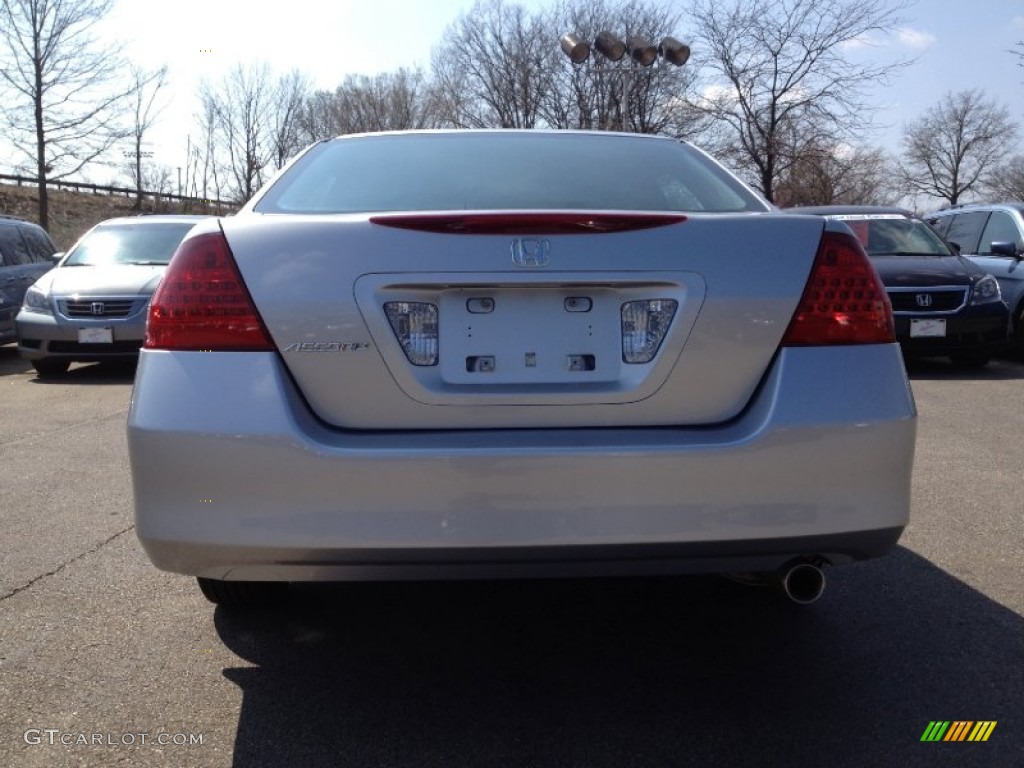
(96, 307)
(530, 252)
(924, 299)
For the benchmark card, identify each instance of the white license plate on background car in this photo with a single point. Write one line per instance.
(923, 328)
(95, 335)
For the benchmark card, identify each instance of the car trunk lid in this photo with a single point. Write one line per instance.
(537, 320)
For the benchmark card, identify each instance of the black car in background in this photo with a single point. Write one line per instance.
(26, 253)
(943, 304)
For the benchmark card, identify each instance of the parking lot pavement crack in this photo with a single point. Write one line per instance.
(120, 412)
(66, 563)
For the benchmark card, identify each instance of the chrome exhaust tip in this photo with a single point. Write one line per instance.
(802, 582)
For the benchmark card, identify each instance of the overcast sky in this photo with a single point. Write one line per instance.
(959, 44)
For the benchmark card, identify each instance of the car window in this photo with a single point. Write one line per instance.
(1001, 228)
(13, 247)
(904, 237)
(499, 171)
(40, 247)
(940, 224)
(965, 229)
(151, 242)
(894, 235)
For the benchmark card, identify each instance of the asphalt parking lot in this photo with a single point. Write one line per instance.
(106, 661)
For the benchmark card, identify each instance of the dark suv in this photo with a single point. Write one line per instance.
(992, 236)
(26, 252)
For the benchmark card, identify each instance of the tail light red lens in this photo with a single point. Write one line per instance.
(844, 301)
(202, 303)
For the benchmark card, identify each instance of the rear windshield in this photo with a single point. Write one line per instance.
(129, 244)
(895, 235)
(504, 171)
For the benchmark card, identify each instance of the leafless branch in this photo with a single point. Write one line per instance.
(952, 148)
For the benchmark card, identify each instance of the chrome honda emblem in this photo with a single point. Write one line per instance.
(923, 299)
(96, 307)
(530, 252)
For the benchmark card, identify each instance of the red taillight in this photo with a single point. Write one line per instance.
(844, 301)
(202, 303)
(529, 223)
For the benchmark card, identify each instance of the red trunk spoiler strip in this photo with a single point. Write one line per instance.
(562, 223)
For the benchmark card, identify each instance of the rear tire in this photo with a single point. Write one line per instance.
(970, 361)
(51, 366)
(242, 594)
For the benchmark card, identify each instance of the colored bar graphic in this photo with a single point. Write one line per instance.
(958, 730)
(982, 730)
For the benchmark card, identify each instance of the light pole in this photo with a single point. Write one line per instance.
(642, 54)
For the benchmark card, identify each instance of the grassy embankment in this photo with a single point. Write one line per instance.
(73, 213)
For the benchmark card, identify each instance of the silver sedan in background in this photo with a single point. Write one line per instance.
(495, 353)
(92, 307)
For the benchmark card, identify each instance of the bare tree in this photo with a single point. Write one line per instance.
(250, 122)
(317, 119)
(241, 105)
(203, 162)
(599, 94)
(390, 101)
(950, 150)
(289, 100)
(1006, 182)
(145, 111)
(839, 175)
(781, 79)
(493, 67)
(61, 93)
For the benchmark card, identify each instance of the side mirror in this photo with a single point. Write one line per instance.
(57, 256)
(1004, 249)
(955, 246)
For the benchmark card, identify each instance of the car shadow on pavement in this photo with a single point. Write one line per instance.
(937, 369)
(118, 372)
(11, 362)
(693, 671)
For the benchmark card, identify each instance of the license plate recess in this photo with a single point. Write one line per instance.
(536, 335)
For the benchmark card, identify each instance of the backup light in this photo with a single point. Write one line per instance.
(644, 326)
(415, 327)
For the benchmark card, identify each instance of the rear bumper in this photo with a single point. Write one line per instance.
(233, 478)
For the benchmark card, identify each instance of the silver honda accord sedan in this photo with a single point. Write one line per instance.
(467, 354)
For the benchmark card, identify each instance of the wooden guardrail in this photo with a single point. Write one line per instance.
(96, 189)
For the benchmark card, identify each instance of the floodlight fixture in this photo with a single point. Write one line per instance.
(575, 47)
(609, 46)
(673, 51)
(643, 52)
